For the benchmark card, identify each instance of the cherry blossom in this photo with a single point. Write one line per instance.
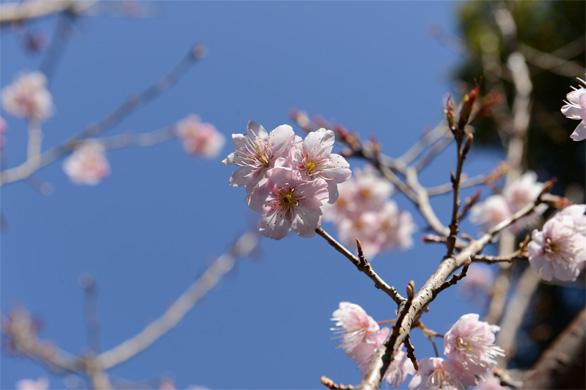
(559, 249)
(500, 207)
(256, 153)
(576, 212)
(354, 326)
(287, 202)
(435, 374)
(366, 190)
(479, 280)
(87, 164)
(29, 384)
(364, 211)
(400, 367)
(491, 212)
(491, 383)
(199, 138)
(470, 343)
(575, 108)
(28, 97)
(384, 228)
(315, 160)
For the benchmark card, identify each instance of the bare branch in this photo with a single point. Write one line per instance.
(194, 293)
(21, 11)
(333, 386)
(516, 309)
(129, 106)
(21, 333)
(363, 266)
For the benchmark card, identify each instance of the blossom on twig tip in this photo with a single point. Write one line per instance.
(200, 139)
(87, 164)
(28, 97)
(575, 108)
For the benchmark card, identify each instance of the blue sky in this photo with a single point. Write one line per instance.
(151, 227)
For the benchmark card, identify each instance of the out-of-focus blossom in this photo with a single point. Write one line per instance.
(479, 280)
(87, 164)
(559, 250)
(575, 108)
(576, 212)
(3, 128)
(167, 384)
(364, 211)
(28, 97)
(498, 208)
(256, 153)
(522, 191)
(287, 202)
(200, 139)
(470, 343)
(491, 383)
(379, 229)
(314, 159)
(366, 190)
(491, 212)
(437, 374)
(354, 326)
(29, 384)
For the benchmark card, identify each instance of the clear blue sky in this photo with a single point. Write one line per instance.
(151, 227)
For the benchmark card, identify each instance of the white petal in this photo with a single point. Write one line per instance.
(580, 133)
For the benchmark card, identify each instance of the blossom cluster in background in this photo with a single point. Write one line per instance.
(575, 108)
(200, 139)
(27, 97)
(558, 250)
(364, 211)
(469, 345)
(87, 164)
(500, 207)
(287, 179)
(30, 384)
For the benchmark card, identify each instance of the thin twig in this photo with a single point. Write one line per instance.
(194, 293)
(129, 106)
(383, 356)
(21, 11)
(333, 386)
(363, 266)
(411, 352)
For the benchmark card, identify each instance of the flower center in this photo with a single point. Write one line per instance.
(288, 199)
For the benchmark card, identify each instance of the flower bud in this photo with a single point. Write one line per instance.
(467, 106)
(450, 113)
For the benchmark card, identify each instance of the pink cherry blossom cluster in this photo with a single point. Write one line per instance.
(469, 345)
(28, 97)
(499, 207)
(288, 179)
(30, 384)
(559, 249)
(200, 139)
(575, 108)
(364, 211)
(87, 164)
(361, 336)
